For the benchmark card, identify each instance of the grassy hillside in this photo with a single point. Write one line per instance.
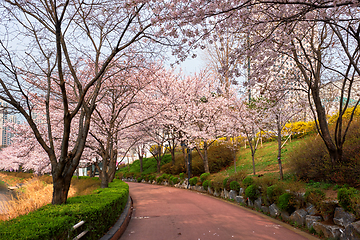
(149, 165)
(305, 159)
(265, 158)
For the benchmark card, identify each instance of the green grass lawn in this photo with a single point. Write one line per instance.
(265, 158)
(149, 165)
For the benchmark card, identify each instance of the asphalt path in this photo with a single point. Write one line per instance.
(165, 213)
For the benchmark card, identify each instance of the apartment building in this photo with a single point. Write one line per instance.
(5, 117)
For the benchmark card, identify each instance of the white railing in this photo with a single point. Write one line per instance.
(79, 224)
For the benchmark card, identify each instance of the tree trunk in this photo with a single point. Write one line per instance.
(279, 146)
(334, 152)
(141, 162)
(112, 170)
(172, 150)
(92, 171)
(253, 150)
(61, 186)
(112, 165)
(206, 160)
(103, 173)
(158, 166)
(185, 156)
(253, 162)
(104, 178)
(159, 160)
(235, 161)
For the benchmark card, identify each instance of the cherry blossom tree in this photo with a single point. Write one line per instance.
(117, 109)
(196, 113)
(246, 119)
(55, 39)
(322, 38)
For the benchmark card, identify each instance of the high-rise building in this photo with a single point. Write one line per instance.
(5, 117)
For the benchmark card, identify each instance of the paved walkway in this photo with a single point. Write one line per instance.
(165, 213)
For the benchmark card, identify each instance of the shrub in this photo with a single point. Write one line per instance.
(286, 202)
(119, 175)
(174, 180)
(217, 182)
(170, 180)
(315, 197)
(248, 181)
(348, 199)
(206, 184)
(193, 181)
(100, 210)
(311, 161)
(239, 176)
(204, 176)
(219, 157)
(251, 192)
(139, 179)
(225, 184)
(129, 175)
(166, 177)
(274, 192)
(182, 176)
(152, 178)
(234, 185)
(159, 180)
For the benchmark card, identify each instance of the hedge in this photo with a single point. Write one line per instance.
(100, 210)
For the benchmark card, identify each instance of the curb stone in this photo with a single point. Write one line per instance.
(119, 227)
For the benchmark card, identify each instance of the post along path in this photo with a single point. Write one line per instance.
(165, 213)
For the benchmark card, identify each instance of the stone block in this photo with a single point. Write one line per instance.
(329, 231)
(199, 188)
(274, 210)
(309, 220)
(240, 199)
(265, 209)
(226, 194)
(250, 203)
(232, 194)
(257, 203)
(352, 232)
(330, 206)
(285, 216)
(312, 210)
(241, 191)
(210, 191)
(343, 218)
(298, 217)
(216, 193)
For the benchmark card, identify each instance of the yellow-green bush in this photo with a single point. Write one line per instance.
(299, 128)
(333, 118)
